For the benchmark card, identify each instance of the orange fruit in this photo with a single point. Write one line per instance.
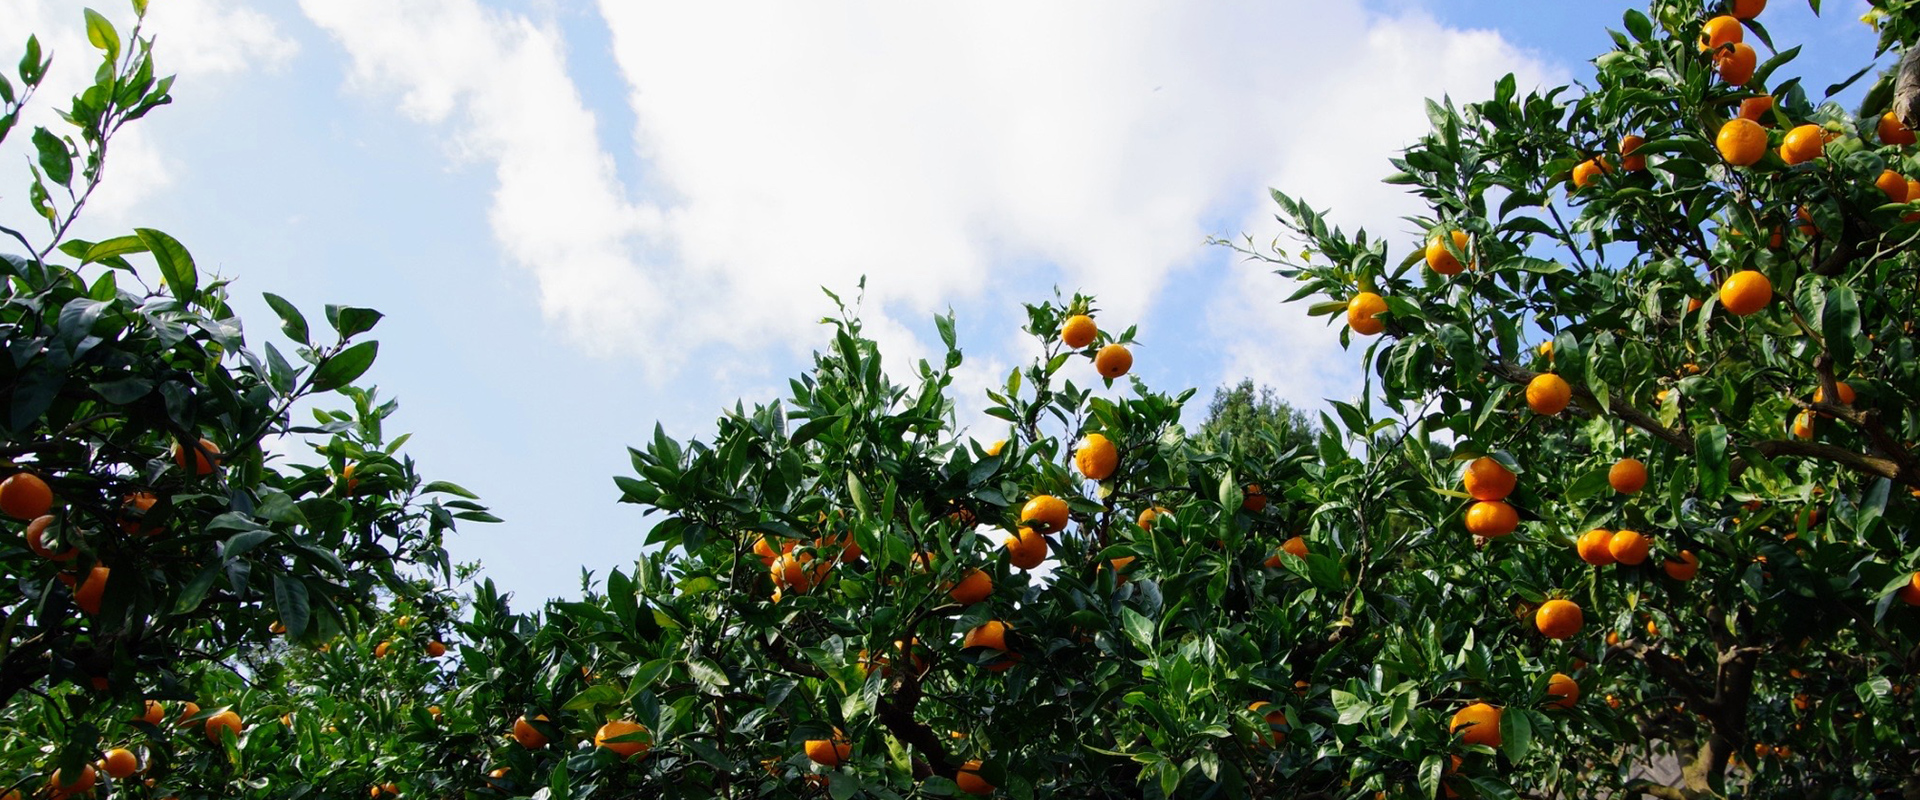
(1742, 142)
(202, 465)
(1893, 185)
(764, 550)
(1563, 690)
(1045, 513)
(1804, 143)
(798, 571)
(1488, 479)
(973, 588)
(1745, 292)
(1628, 547)
(1839, 388)
(616, 729)
(1736, 63)
(1588, 171)
(1629, 144)
(1627, 475)
(24, 496)
(1592, 547)
(1803, 425)
(968, 779)
(1893, 131)
(885, 664)
(1548, 394)
(134, 507)
(1113, 361)
(81, 782)
(1748, 9)
(1802, 702)
(1363, 313)
(121, 762)
(87, 597)
(1479, 722)
(1684, 568)
(152, 713)
(1721, 31)
(1491, 518)
(1145, 520)
(1295, 545)
(380, 650)
(36, 534)
(1558, 619)
(995, 448)
(436, 649)
(225, 720)
(1255, 500)
(1441, 260)
(1910, 593)
(1079, 331)
(1026, 549)
(992, 633)
(1273, 718)
(187, 713)
(829, 752)
(1096, 458)
(1756, 108)
(528, 736)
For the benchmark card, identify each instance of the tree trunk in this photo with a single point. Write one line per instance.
(1906, 89)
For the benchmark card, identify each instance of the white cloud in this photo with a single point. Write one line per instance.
(197, 40)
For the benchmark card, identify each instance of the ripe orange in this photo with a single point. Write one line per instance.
(1145, 520)
(87, 597)
(1910, 593)
(829, 752)
(1629, 547)
(968, 779)
(1363, 313)
(528, 736)
(1079, 331)
(992, 633)
(1439, 259)
(1803, 425)
(81, 782)
(1045, 513)
(1563, 690)
(135, 507)
(1756, 108)
(995, 448)
(36, 533)
(1273, 719)
(223, 721)
(798, 571)
(1683, 569)
(914, 652)
(1745, 292)
(1748, 9)
(1113, 361)
(1480, 723)
(1804, 143)
(24, 496)
(1491, 518)
(1736, 63)
(1592, 547)
(202, 465)
(152, 713)
(1586, 172)
(380, 650)
(1839, 388)
(1255, 500)
(1628, 161)
(1558, 619)
(973, 588)
(1548, 394)
(1893, 185)
(765, 551)
(1627, 475)
(1026, 549)
(616, 729)
(1893, 131)
(436, 649)
(1295, 545)
(1721, 31)
(1488, 479)
(121, 762)
(187, 713)
(1742, 142)
(1096, 458)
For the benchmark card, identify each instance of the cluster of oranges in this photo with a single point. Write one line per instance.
(623, 737)
(1111, 361)
(120, 763)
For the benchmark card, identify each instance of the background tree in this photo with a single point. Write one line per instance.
(1256, 418)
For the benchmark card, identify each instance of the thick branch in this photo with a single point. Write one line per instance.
(1616, 405)
(1906, 89)
(896, 712)
(1659, 790)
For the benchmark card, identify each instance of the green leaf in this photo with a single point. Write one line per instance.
(708, 674)
(291, 320)
(1516, 734)
(1711, 462)
(349, 321)
(1139, 628)
(55, 160)
(290, 601)
(345, 366)
(100, 33)
(1840, 323)
(446, 487)
(1639, 25)
(117, 246)
(597, 694)
(1352, 709)
(176, 265)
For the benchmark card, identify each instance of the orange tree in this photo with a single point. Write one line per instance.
(1679, 307)
(154, 540)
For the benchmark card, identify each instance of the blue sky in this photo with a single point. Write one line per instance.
(582, 217)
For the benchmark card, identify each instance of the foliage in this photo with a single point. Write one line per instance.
(1256, 418)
